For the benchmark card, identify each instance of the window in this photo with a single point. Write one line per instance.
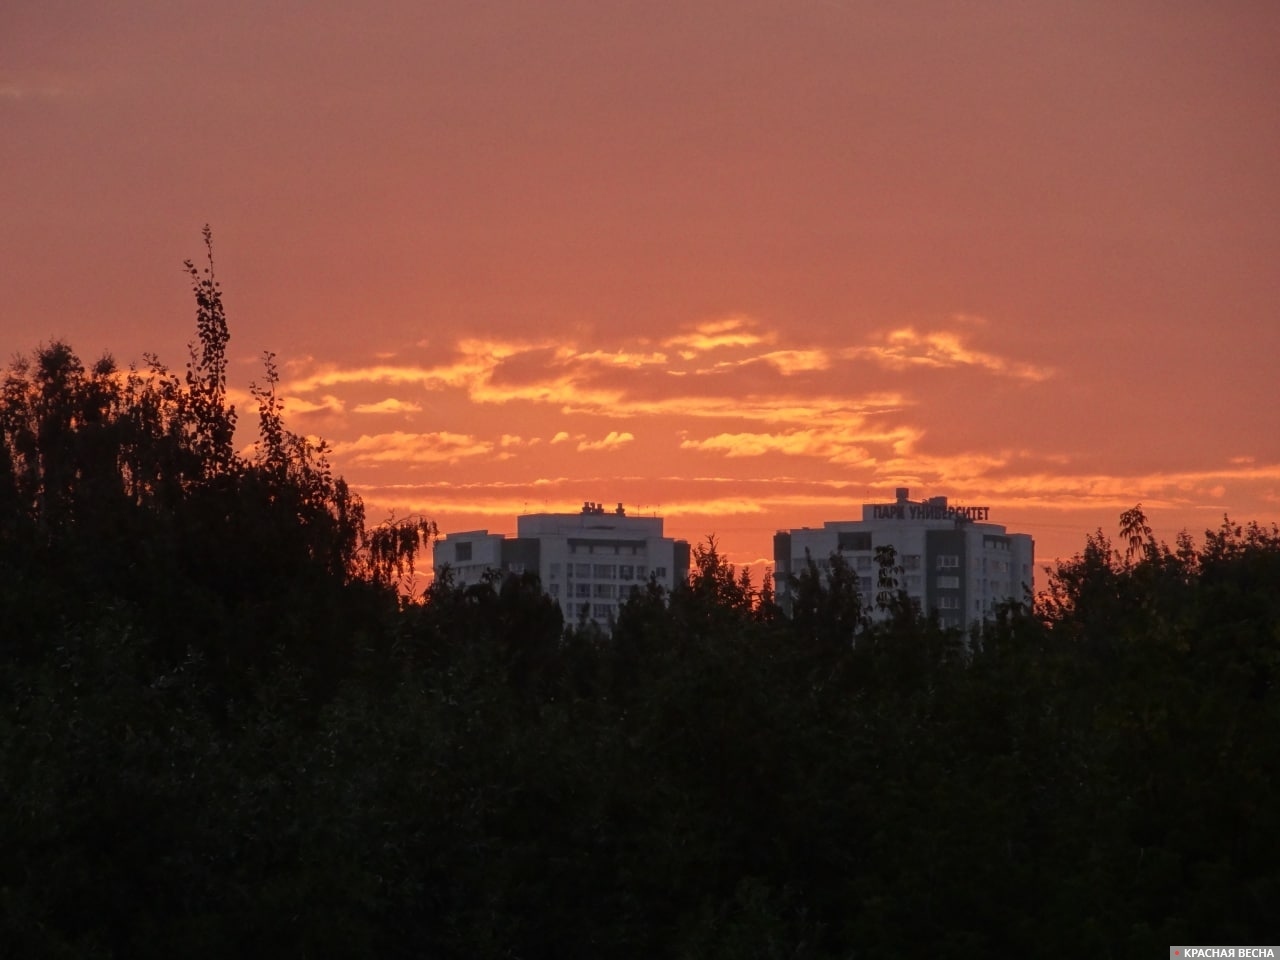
(582, 590)
(863, 563)
(660, 572)
(462, 552)
(864, 585)
(603, 590)
(602, 610)
(852, 540)
(948, 583)
(640, 572)
(911, 561)
(948, 561)
(626, 572)
(948, 603)
(582, 569)
(605, 571)
(554, 589)
(555, 570)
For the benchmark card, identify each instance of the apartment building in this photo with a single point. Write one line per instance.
(588, 562)
(953, 559)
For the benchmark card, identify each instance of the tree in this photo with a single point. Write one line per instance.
(826, 610)
(1134, 529)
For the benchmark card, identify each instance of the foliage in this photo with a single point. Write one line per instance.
(125, 487)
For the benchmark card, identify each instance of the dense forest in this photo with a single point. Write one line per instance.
(227, 732)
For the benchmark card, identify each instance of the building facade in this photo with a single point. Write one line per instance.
(588, 562)
(952, 559)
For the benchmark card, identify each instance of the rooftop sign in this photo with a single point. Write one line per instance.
(925, 511)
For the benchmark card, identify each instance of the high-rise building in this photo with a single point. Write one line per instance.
(952, 559)
(588, 562)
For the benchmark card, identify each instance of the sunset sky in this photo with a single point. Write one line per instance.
(743, 264)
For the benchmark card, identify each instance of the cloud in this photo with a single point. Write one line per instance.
(299, 406)
(610, 442)
(411, 448)
(905, 348)
(714, 334)
(714, 496)
(28, 91)
(791, 362)
(389, 405)
(617, 358)
(787, 362)
(569, 383)
(839, 444)
(971, 475)
(802, 406)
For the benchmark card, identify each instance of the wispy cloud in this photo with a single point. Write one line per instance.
(905, 347)
(718, 497)
(615, 358)
(612, 441)
(843, 444)
(411, 448)
(300, 406)
(18, 90)
(570, 384)
(800, 406)
(713, 334)
(389, 405)
(797, 361)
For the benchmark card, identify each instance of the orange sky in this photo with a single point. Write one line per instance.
(744, 264)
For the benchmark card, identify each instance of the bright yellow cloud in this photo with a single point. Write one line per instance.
(389, 405)
(713, 334)
(473, 372)
(841, 445)
(905, 348)
(797, 361)
(610, 442)
(616, 358)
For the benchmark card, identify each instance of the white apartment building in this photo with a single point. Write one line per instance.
(953, 559)
(588, 562)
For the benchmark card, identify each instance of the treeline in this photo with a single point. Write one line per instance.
(224, 732)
